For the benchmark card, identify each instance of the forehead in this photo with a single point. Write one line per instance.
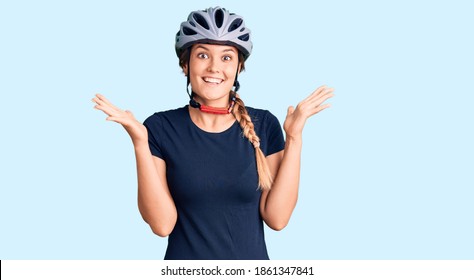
(215, 48)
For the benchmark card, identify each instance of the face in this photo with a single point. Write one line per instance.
(213, 69)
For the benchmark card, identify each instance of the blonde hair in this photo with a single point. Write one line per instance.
(265, 178)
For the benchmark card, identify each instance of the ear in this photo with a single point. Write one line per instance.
(185, 70)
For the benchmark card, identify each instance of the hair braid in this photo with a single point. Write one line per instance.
(265, 179)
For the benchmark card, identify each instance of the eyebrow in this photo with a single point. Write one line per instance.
(225, 50)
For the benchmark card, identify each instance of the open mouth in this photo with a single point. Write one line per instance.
(214, 81)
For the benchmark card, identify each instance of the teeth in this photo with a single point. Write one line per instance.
(212, 80)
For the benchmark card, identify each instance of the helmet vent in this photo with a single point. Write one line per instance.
(188, 31)
(201, 20)
(219, 17)
(178, 35)
(235, 24)
(244, 37)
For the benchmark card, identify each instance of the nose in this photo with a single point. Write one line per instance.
(213, 66)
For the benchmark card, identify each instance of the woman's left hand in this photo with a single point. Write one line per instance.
(313, 104)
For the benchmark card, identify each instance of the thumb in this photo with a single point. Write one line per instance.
(290, 111)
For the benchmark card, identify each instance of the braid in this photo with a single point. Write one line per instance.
(265, 179)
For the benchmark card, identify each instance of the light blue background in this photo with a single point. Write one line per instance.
(386, 172)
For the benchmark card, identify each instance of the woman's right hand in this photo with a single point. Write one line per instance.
(134, 128)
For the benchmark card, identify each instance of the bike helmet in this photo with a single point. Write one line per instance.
(214, 26)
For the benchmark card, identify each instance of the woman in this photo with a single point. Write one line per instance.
(210, 173)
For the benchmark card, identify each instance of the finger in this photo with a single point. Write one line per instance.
(321, 99)
(318, 94)
(113, 119)
(116, 119)
(104, 100)
(327, 91)
(97, 101)
(101, 108)
(321, 91)
(101, 102)
(106, 109)
(101, 97)
(310, 105)
(290, 110)
(120, 120)
(319, 109)
(321, 95)
(322, 107)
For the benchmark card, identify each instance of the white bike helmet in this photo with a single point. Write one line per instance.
(214, 26)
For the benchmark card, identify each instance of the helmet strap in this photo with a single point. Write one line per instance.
(236, 82)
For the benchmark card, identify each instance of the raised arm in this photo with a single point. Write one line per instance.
(154, 199)
(277, 204)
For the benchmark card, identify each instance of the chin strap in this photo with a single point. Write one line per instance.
(213, 110)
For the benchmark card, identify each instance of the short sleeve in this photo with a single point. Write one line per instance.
(154, 125)
(274, 135)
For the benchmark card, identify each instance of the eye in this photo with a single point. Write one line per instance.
(202, 55)
(227, 58)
